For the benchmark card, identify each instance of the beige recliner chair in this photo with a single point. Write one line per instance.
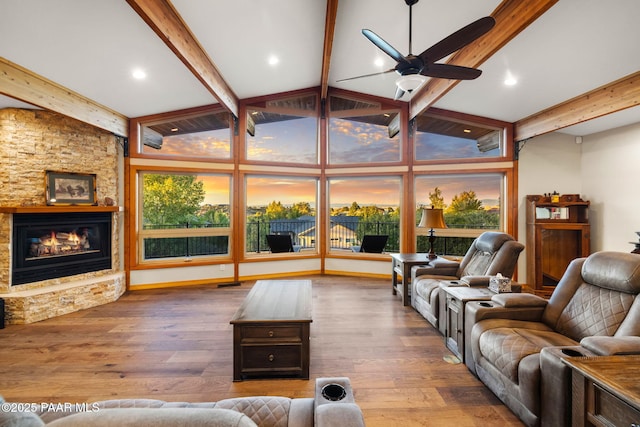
(518, 344)
(491, 253)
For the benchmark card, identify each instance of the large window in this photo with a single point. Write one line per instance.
(363, 132)
(472, 203)
(196, 135)
(284, 206)
(283, 130)
(361, 206)
(184, 215)
(441, 138)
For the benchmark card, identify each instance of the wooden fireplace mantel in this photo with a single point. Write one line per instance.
(58, 209)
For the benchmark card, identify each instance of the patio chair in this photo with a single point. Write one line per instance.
(372, 243)
(280, 243)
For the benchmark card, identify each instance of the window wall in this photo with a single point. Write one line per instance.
(208, 188)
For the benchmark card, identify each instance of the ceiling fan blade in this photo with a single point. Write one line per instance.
(383, 45)
(458, 40)
(448, 71)
(399, 93)
(366, 75)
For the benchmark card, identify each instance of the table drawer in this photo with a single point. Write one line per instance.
(271, 357)
(608, 410)
(271, 332)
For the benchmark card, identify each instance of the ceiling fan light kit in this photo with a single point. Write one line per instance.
(414, 70)
(410, 82)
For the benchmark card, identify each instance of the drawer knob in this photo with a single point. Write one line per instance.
(271, 334)
(271, 358)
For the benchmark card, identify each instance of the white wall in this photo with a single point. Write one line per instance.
(546, 164)
(611, 181)
(604, 169)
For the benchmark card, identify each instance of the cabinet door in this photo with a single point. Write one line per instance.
(453, 318)
(559, 248)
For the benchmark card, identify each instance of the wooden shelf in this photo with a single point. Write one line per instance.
(58, 209)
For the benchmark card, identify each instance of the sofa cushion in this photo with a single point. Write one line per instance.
(263, 410)
(592, 311)
(505, 346)
(156, 417)
(491, 241)
(609, 270)
(425, 287)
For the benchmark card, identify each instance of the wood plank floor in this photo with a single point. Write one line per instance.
(176, 344)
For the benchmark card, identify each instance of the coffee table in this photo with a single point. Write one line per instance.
(271, 330)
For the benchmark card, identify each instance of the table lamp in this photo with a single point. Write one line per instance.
(432, 218)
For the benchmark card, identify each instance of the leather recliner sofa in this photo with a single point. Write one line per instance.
(332, 405)
(516, 346)
(491, 253)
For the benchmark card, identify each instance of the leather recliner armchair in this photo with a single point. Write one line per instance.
(491, 253)
(517, 345)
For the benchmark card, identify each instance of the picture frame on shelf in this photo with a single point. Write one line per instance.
(69, 188)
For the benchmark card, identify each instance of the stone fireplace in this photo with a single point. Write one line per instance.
(56, 259)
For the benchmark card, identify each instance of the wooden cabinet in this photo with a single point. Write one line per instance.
(558, 231)
(456, 298)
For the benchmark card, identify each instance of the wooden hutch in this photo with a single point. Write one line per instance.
(558, 231)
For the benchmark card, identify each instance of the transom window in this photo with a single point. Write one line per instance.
(363, 132)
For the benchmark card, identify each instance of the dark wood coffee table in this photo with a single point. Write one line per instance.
(271, 330)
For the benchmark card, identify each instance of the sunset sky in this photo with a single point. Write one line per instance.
(350, 142)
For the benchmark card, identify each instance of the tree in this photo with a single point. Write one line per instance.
(171, 199)
(436, 199)
(275, 210)
(354, 210)
(465, 202)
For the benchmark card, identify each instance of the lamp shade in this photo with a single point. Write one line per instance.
(432, 218)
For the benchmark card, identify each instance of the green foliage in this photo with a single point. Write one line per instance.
(436, 199)
(171, 199)
(465, 202)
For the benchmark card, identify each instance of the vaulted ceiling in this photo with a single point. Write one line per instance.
(576, 61)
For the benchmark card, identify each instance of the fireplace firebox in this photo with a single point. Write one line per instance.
(52, 245)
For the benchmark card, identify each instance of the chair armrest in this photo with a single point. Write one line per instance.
(339, 414)
(475, 280)
(612, 346)
(335, 404)
(436, 267)
(519, 300)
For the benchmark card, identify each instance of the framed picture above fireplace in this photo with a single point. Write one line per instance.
(67, 188)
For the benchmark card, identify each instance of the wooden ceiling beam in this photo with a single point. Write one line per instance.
(166, 22)
(610, 98)
(512, 16)
(29, 87)
(329, 31)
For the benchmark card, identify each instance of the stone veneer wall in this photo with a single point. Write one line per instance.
(31, 142)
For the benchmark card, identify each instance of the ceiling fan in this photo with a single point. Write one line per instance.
(412, 68)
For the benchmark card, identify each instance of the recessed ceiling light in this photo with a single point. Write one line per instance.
(379, 62)
(139, 74)
(510, 79)
(467, 131)
(273, 60)
(174, 129)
